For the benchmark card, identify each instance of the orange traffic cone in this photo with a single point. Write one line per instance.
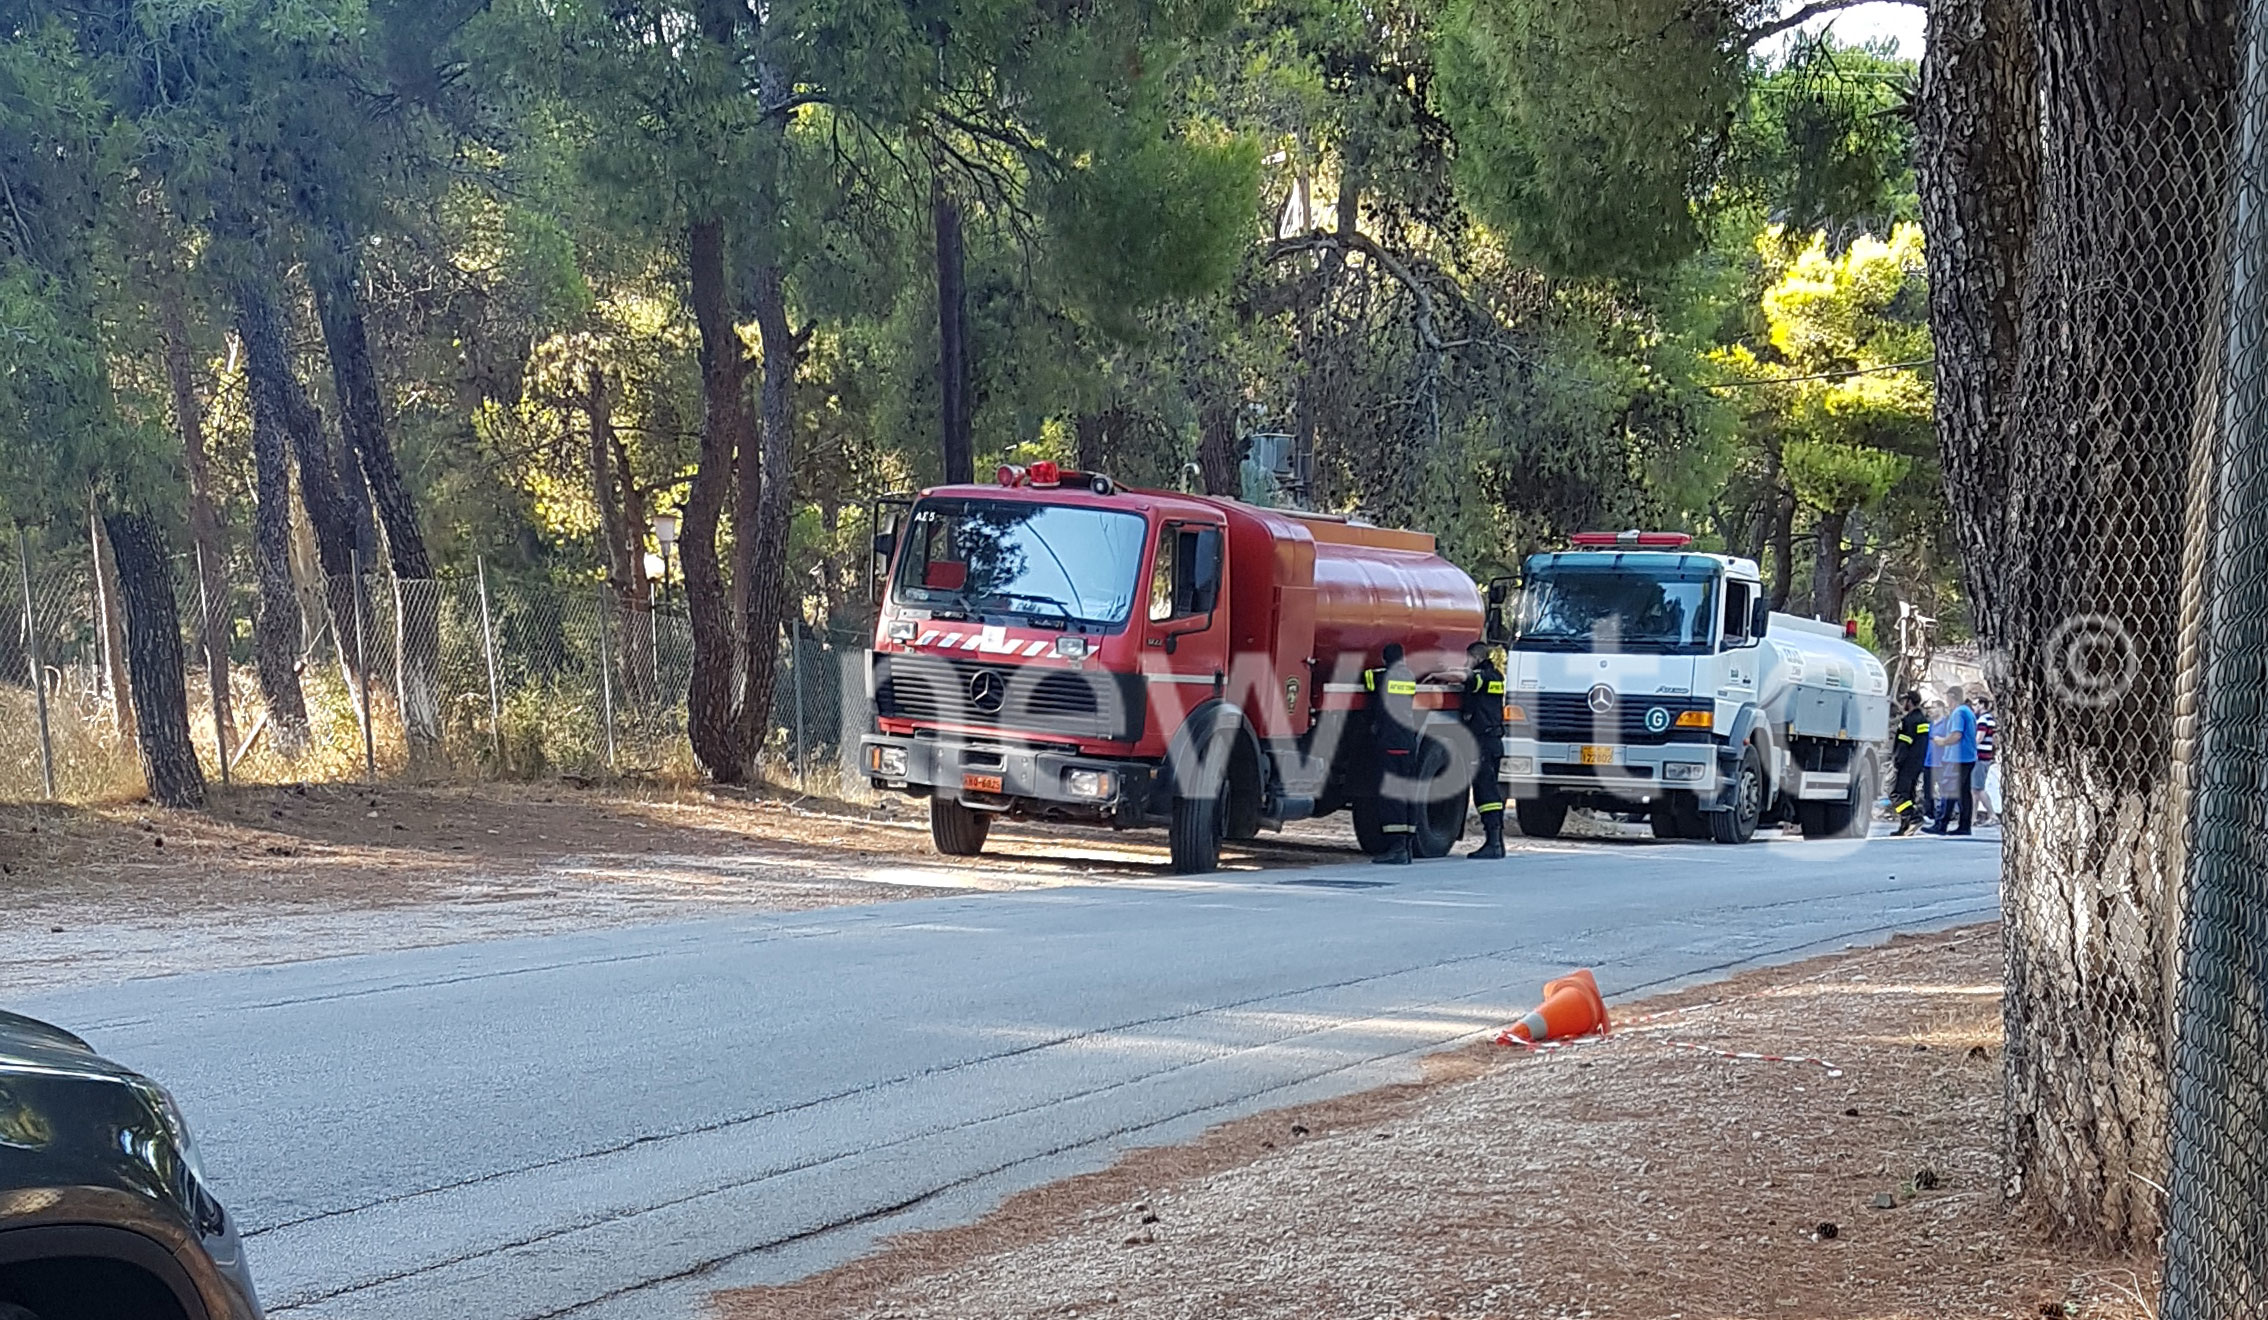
(1571, 1007)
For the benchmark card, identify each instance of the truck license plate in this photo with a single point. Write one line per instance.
(1597, 756)
(976, 783)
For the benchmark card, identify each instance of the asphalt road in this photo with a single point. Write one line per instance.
(609, 1125)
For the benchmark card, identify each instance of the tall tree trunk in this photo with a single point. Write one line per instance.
(277, 627)
(1217, 457)
(1827, 567)
(1783, 548)
(622, 522)
(107, 618)
(1090, 432)
(153, 652)
(954, 412)
(769, 588)
(711, 718)
(2067, 445)
(371, 463)
(204, 523)
(276, 388)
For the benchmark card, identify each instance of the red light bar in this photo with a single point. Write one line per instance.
(1850, 629)
(1010, 475)
(1046, 473)
(1632, 540)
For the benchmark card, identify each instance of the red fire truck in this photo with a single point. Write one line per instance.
(1056, 647)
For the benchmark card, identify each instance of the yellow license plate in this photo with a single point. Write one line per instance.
(980, 783)
(1597, 756)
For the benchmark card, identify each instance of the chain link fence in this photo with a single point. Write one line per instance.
(2217, 1185)
(480, 676)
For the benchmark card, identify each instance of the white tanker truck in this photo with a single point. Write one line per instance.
(1646, 678)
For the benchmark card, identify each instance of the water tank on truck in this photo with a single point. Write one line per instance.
(1056, 647)
(1644, 677)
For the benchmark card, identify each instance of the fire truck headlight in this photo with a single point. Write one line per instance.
(1684, 771)
(888, 762)
(1071, 648)
(1095, 784)
(1519, 766)
(901, 630)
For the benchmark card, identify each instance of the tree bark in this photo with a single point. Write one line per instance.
(1090, 433)
(276, 629)
(1217, 456)
(371, 461)
(1783, 547)
(954, 413)
(769, 590)
(204, 522)
(622, 538)
(2090, 157)
(107, 617)
(153, 652)
(711, 717)
(1827, 566)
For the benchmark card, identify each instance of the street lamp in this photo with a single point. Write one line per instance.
(665, 536)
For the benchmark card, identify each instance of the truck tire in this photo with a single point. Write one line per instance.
(1661, 822)
(1369, 829)
(1737, 823)
(1195, 836)
(957, 831)
(1857, 816)
(1541, 817)
(1442, 822)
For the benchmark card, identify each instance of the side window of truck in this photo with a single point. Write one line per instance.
(1740, 600)
(1185, 580)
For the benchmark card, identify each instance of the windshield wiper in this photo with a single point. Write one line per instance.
(1056, 605)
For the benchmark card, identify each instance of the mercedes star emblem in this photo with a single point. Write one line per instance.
(987, 690)
(1601, 699)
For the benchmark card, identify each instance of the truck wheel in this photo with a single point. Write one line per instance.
(1369, 829)
(1866, 786)
(1440, 823)
(957, 831)
(1243, 806)
(1541, 817)
(1196, 834)
(1738, 823)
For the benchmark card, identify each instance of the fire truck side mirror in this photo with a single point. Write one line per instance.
(1498, 630)
(885, 545)
(1760, 621)
(1205, 573)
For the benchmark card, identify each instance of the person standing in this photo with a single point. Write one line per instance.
(1393, 731)
(1957, 753)
(1909, 756)
(1988, 730)
(1481, 711)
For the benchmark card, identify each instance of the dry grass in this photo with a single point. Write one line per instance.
(1622, 1177)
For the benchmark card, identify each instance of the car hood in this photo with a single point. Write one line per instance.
(30, 1045)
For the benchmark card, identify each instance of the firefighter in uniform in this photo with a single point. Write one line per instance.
(1393, 731)
(1908, 755)
(1482, 713)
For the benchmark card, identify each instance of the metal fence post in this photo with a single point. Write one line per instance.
(488, 650)
(216, 678)
(38, 670)
(401, 657)
(362, 664)
(795, 672)
(606, 678)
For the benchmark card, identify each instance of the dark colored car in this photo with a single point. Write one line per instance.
(104, 1213)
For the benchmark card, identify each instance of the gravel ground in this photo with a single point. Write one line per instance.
(1616, 1177)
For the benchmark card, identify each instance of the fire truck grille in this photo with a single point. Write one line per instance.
(1029, 699)
(1568, 717)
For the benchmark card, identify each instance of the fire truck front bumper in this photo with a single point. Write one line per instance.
(1011, 780)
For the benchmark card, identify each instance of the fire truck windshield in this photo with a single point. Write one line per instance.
(1050, 564)
(1618, 609)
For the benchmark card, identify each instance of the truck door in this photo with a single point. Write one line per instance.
(1185, 651)
(1739, 657)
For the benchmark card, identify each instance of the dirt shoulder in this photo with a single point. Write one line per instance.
(269, 874)
(1855, 1174)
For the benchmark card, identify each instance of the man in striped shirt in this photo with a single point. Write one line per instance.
(1987, 726)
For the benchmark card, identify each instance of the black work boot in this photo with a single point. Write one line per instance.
(1397, 852)
(1492, 846)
